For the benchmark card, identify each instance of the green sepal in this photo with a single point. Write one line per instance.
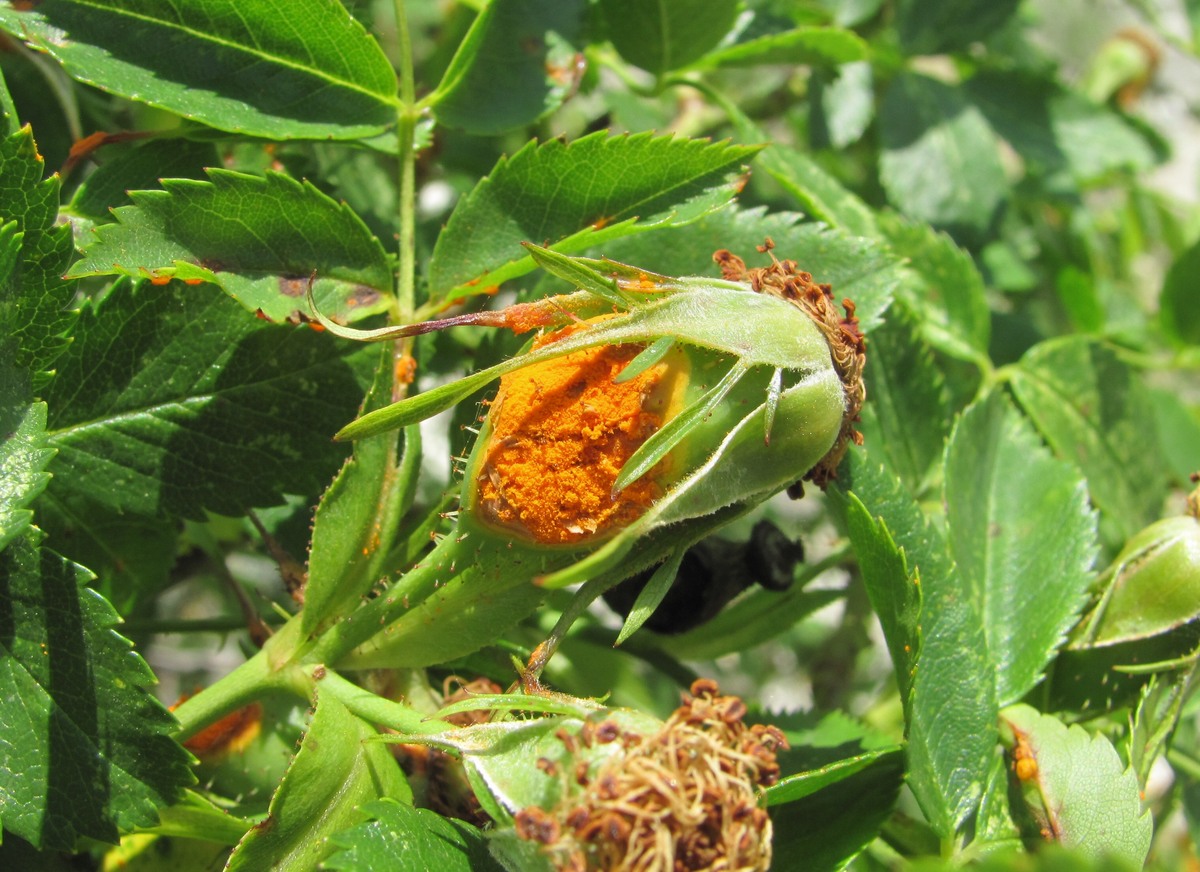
(660, 444)
(774, 391)
(651, 596)
(759, 329)
(654, 352)
(572, 269)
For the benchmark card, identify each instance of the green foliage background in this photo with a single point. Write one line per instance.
(999, 188)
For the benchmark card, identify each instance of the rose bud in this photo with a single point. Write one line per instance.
(701, 394)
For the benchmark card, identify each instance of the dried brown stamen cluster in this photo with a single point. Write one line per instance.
(847, 345)
(684, 798)
(437, 776)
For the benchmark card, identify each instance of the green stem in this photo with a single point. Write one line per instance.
(406, 285)
(406, 122)
(265, 671)
(373, 708)
(408, 591)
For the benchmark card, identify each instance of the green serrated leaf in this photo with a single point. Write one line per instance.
(755, 618)
(35, 302)
(797, 786)
(337, 770)
(1179, 304)
(894, 589)
(406, 839)
(1094, 411)
(1178, 427)
(1081, 792)
(907, 403)
(359, 514)
(516, 63)
(940, 161)
(137, 168)
(87, 749)
(651, 596)
(1156, 717)
(260, 238)
(817, 192)
(236, 65)
(23, 456)
(131, 555)
(843, 108)
(829, 827)
(173, 401)
(1022, 535)
(573, 196)
(951, 721)
(664, 35)
(951, 24)
(859, 269)
(946, 289)
(824, 46)
(1064, 138)
(994, 826)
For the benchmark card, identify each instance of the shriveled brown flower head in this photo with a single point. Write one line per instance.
(684, 798)
(847, 345)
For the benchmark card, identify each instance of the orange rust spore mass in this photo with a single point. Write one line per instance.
(561, 431)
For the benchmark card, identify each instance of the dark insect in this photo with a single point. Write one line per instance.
(712, 573)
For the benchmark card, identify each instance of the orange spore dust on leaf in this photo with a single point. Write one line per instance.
(1025, 765)
(560, 432)
(231, 734)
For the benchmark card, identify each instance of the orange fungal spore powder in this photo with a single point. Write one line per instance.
(561, 431)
